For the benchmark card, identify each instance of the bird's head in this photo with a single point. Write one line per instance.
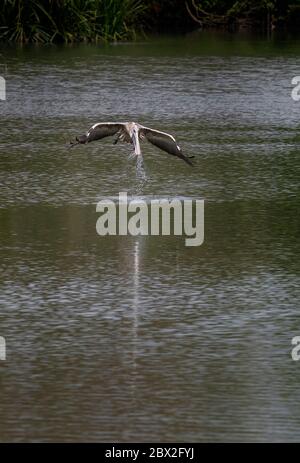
(79, 140)
(82, 139)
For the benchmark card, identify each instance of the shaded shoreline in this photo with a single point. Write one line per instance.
(44, 21)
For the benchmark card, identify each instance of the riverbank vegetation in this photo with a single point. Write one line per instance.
(110, 20)
(69, 20)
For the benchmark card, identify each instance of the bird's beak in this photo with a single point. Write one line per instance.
(132, 136)
(133, 140)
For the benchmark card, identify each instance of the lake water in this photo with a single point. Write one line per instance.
(142, 339)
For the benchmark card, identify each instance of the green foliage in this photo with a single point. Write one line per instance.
(69, 20)
(257, 6)
(118, 17)
(263, 14)
(92, 20)
(227, 7)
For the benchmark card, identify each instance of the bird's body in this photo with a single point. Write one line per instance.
(132, 132)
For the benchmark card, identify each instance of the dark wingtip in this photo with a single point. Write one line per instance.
(190, 163)
(187, 159)
(72, 144)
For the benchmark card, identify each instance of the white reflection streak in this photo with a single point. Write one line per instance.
(135, 308)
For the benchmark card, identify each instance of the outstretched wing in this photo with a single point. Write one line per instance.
(100, 130)
(165, 142)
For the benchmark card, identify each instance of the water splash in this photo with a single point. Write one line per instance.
(141, 175)
(141, 178)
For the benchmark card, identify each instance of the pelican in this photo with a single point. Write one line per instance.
(132, 132)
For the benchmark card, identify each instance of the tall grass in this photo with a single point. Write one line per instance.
(93, 20)
(69, 20)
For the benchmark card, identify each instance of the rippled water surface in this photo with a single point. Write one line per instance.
(123, 339)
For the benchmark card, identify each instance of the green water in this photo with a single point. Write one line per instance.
(121, 339)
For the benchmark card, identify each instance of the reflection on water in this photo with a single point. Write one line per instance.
(141, 338)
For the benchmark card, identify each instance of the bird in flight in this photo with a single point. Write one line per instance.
(132, 132)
